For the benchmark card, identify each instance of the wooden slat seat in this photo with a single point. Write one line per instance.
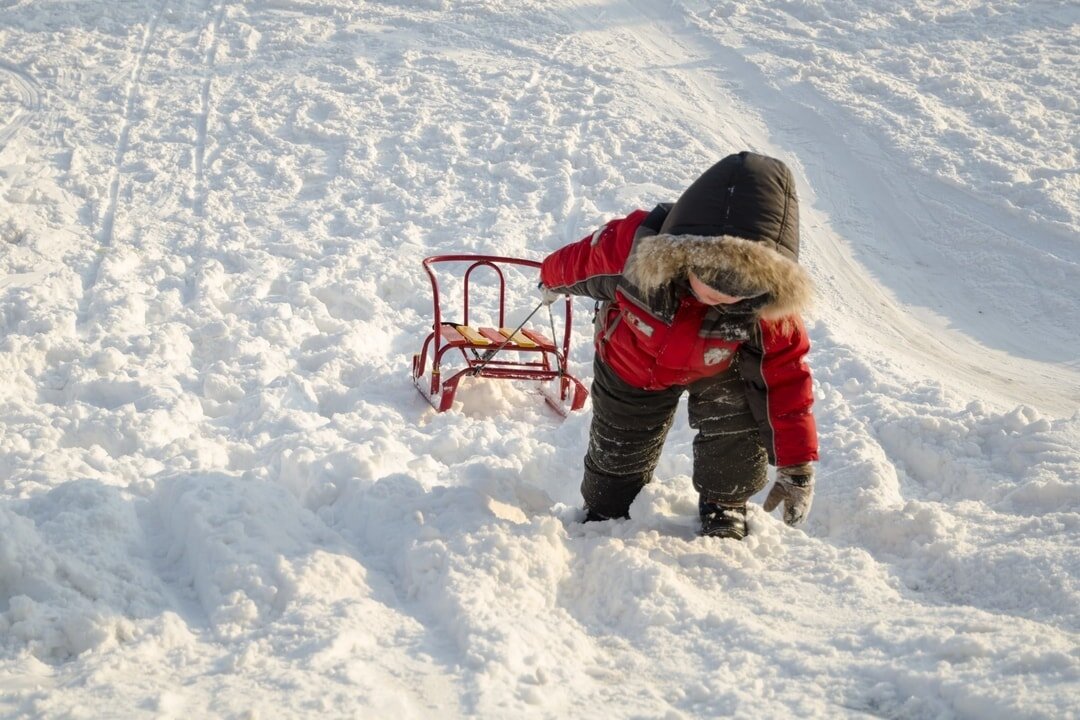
(540, 339)
(451, 336)
(474, 337)
(465, 336)
(518, 339)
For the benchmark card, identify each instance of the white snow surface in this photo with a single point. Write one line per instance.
(223, 497)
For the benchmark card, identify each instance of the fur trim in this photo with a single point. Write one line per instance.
(659, 259)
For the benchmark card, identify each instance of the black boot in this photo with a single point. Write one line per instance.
(593, 516)
(723, 521)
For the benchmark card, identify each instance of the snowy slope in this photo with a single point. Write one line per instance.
(222, 496)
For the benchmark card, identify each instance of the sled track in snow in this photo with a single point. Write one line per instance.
(134, 81)
(108, 221)
(203, 120)
(29, 94)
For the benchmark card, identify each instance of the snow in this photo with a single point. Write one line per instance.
(223, 497)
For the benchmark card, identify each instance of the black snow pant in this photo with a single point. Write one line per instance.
(629, 426)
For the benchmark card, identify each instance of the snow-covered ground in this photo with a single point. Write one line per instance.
(223, 497)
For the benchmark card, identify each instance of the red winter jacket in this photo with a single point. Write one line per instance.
(654, 333)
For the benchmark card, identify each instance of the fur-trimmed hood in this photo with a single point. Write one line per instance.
(752, 268)
(737, 229)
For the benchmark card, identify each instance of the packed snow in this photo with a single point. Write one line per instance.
(223, 497)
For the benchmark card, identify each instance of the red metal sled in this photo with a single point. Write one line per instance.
(494, 352)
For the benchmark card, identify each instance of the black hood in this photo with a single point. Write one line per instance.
(737, 229)
(746, 196)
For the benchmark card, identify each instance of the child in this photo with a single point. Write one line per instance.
(702, 297)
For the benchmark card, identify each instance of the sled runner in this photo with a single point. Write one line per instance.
(501, 352)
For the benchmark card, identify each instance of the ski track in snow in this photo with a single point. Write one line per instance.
(222, 497)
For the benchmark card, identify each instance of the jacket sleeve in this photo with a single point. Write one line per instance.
(593, 265)
(780, 390)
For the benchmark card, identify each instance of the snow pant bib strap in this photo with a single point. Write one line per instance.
(627, 434)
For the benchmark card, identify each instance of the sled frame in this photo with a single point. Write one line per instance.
(493, 352)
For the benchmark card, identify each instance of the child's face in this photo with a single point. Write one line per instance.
(708, 296)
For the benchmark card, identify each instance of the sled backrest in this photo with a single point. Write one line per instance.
(495, 263)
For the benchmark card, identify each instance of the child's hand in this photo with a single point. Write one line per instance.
(795, 488)
(548, 296)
